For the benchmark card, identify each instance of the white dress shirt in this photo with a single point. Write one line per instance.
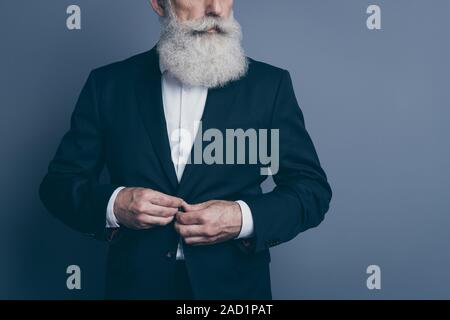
(183, 109)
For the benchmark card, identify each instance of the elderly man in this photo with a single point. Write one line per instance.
(178, 228)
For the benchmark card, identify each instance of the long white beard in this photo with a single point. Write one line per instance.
(198, 58)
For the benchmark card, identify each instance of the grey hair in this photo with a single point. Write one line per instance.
(199, 59)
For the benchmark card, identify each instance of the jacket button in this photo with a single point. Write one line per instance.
(170, 254)
(246, 243)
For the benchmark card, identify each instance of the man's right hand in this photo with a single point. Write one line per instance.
(141, 208)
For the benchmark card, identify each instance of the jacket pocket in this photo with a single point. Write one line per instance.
(245, 262)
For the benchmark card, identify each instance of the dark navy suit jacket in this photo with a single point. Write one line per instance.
(118, 122)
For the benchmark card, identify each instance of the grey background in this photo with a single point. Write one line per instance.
(376, 103)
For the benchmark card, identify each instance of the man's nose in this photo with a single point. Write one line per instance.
(214, 8)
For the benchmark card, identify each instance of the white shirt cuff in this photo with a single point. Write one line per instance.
(247, 221)
(111, 220)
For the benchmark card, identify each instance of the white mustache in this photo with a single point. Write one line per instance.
(202, 25)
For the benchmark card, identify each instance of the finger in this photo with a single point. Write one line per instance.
(160, 211)
(192, 230)
(196, 207)
(146, 207)
(165, 200)
(190, 218)
(145, 220)
(199, 241)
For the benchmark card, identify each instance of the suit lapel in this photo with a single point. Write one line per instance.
(215, 115)
(149, 97)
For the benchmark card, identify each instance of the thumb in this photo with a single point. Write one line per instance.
(195, 207)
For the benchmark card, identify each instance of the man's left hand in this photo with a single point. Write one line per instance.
(209, 222)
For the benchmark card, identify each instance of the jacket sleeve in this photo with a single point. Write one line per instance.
(70, 190)
(302, 194)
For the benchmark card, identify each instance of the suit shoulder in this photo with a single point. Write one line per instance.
(121, 68)
(264, 76)
(259, 68)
